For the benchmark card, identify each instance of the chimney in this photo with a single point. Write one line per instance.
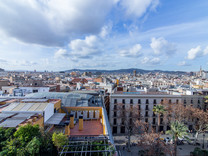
(71, 121)
(67, 130)
(80, 122)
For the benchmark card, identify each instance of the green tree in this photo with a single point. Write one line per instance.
(159, 110)
(26, 133)
(59, 140)
(178, 130)
(33, 147)
(5, 135)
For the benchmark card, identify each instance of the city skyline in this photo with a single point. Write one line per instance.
(118, 34)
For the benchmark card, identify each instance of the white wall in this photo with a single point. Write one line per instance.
(48, 112)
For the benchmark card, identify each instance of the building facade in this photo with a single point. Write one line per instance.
(145, 103)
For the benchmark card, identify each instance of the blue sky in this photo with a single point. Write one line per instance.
(106, 34)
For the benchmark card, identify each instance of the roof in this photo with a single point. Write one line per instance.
(14, 119)
(35, 100)
(11, 122)
(2, 100)
(55, 119)
(67, 99)
(25, 107)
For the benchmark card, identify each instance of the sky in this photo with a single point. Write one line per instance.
(59, 35)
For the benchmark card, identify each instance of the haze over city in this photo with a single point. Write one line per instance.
(106, 34)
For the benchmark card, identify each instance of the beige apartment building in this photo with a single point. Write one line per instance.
(145, 102)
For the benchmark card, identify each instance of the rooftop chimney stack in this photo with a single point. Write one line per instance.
(71, 121)
(80, 122)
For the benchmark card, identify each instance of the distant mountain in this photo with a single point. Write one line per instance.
(140, 71)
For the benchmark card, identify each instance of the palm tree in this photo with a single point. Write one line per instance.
(178, 130)
(159, 110)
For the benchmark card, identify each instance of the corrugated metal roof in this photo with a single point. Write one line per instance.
(55, 119)
(34, 107)
(41, 107)
(11, 122)
(18, 107)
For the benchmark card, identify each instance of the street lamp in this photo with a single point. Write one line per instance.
(203, 141)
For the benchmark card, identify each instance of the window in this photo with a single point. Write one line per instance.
(114, 129)
(146, 114)
(154, 102)
(130, 121)
(115, 114)
(114, 122)
(184, 102)
(147, 101)
(169, 101)
(198, 101)
(147, 107)
(161, 101)
(122, 121)
(176, 101)
(131, 101)
(146, 120)
(123, 106)
(115, 107)
(115, 101)
(123, 101)
(139, 107)
(139, 101)
(122, 129)
(191, 101)
(153, 121)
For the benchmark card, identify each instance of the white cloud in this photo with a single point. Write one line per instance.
(85, 48)
(105, 30)
(25, 63)
(3, 60)
(151, 61)
(162, 46)
(137, 8)
(134, 51)
(61, 53)
(194, 53)
(206, 51)
(50, 23)
(183, 63)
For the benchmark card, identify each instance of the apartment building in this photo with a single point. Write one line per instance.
(145, 102)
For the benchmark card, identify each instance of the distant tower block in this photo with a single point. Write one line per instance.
(134, 72)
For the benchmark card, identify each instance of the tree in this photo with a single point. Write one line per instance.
(27, 140)
(152, 144)
(159, 110)
(33, 147)
(129, 116)
(5, 135)
(26, 133)
(200, 119)
(178, 130)
(59, 140)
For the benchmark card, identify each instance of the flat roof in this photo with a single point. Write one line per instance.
(55, 119)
